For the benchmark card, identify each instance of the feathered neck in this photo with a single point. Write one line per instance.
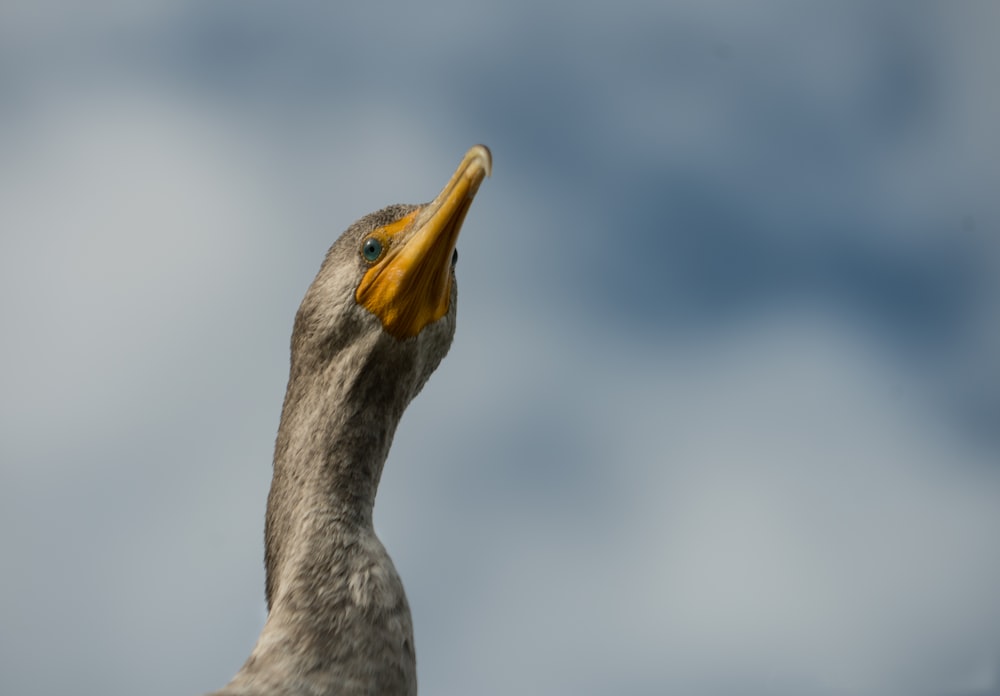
(338, 615)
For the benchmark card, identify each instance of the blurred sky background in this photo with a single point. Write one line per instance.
(722, 415)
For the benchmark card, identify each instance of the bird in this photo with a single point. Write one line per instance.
(374, 324)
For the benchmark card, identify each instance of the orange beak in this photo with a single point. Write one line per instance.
(410, 285)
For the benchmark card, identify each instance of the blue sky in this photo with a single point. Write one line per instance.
(721, 414)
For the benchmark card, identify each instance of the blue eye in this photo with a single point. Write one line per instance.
(371, 249)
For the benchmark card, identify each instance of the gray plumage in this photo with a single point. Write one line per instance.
(338, 620)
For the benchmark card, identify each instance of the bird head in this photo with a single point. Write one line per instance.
(387, 285)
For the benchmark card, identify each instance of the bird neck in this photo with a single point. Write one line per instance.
(336, 605)
(337, 426)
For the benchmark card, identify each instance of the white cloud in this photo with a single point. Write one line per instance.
(779, 513)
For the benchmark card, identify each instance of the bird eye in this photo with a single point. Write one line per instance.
(371, 249)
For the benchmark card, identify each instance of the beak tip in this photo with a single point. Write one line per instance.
(484, 157)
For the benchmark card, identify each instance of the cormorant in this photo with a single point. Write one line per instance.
(372, 327)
